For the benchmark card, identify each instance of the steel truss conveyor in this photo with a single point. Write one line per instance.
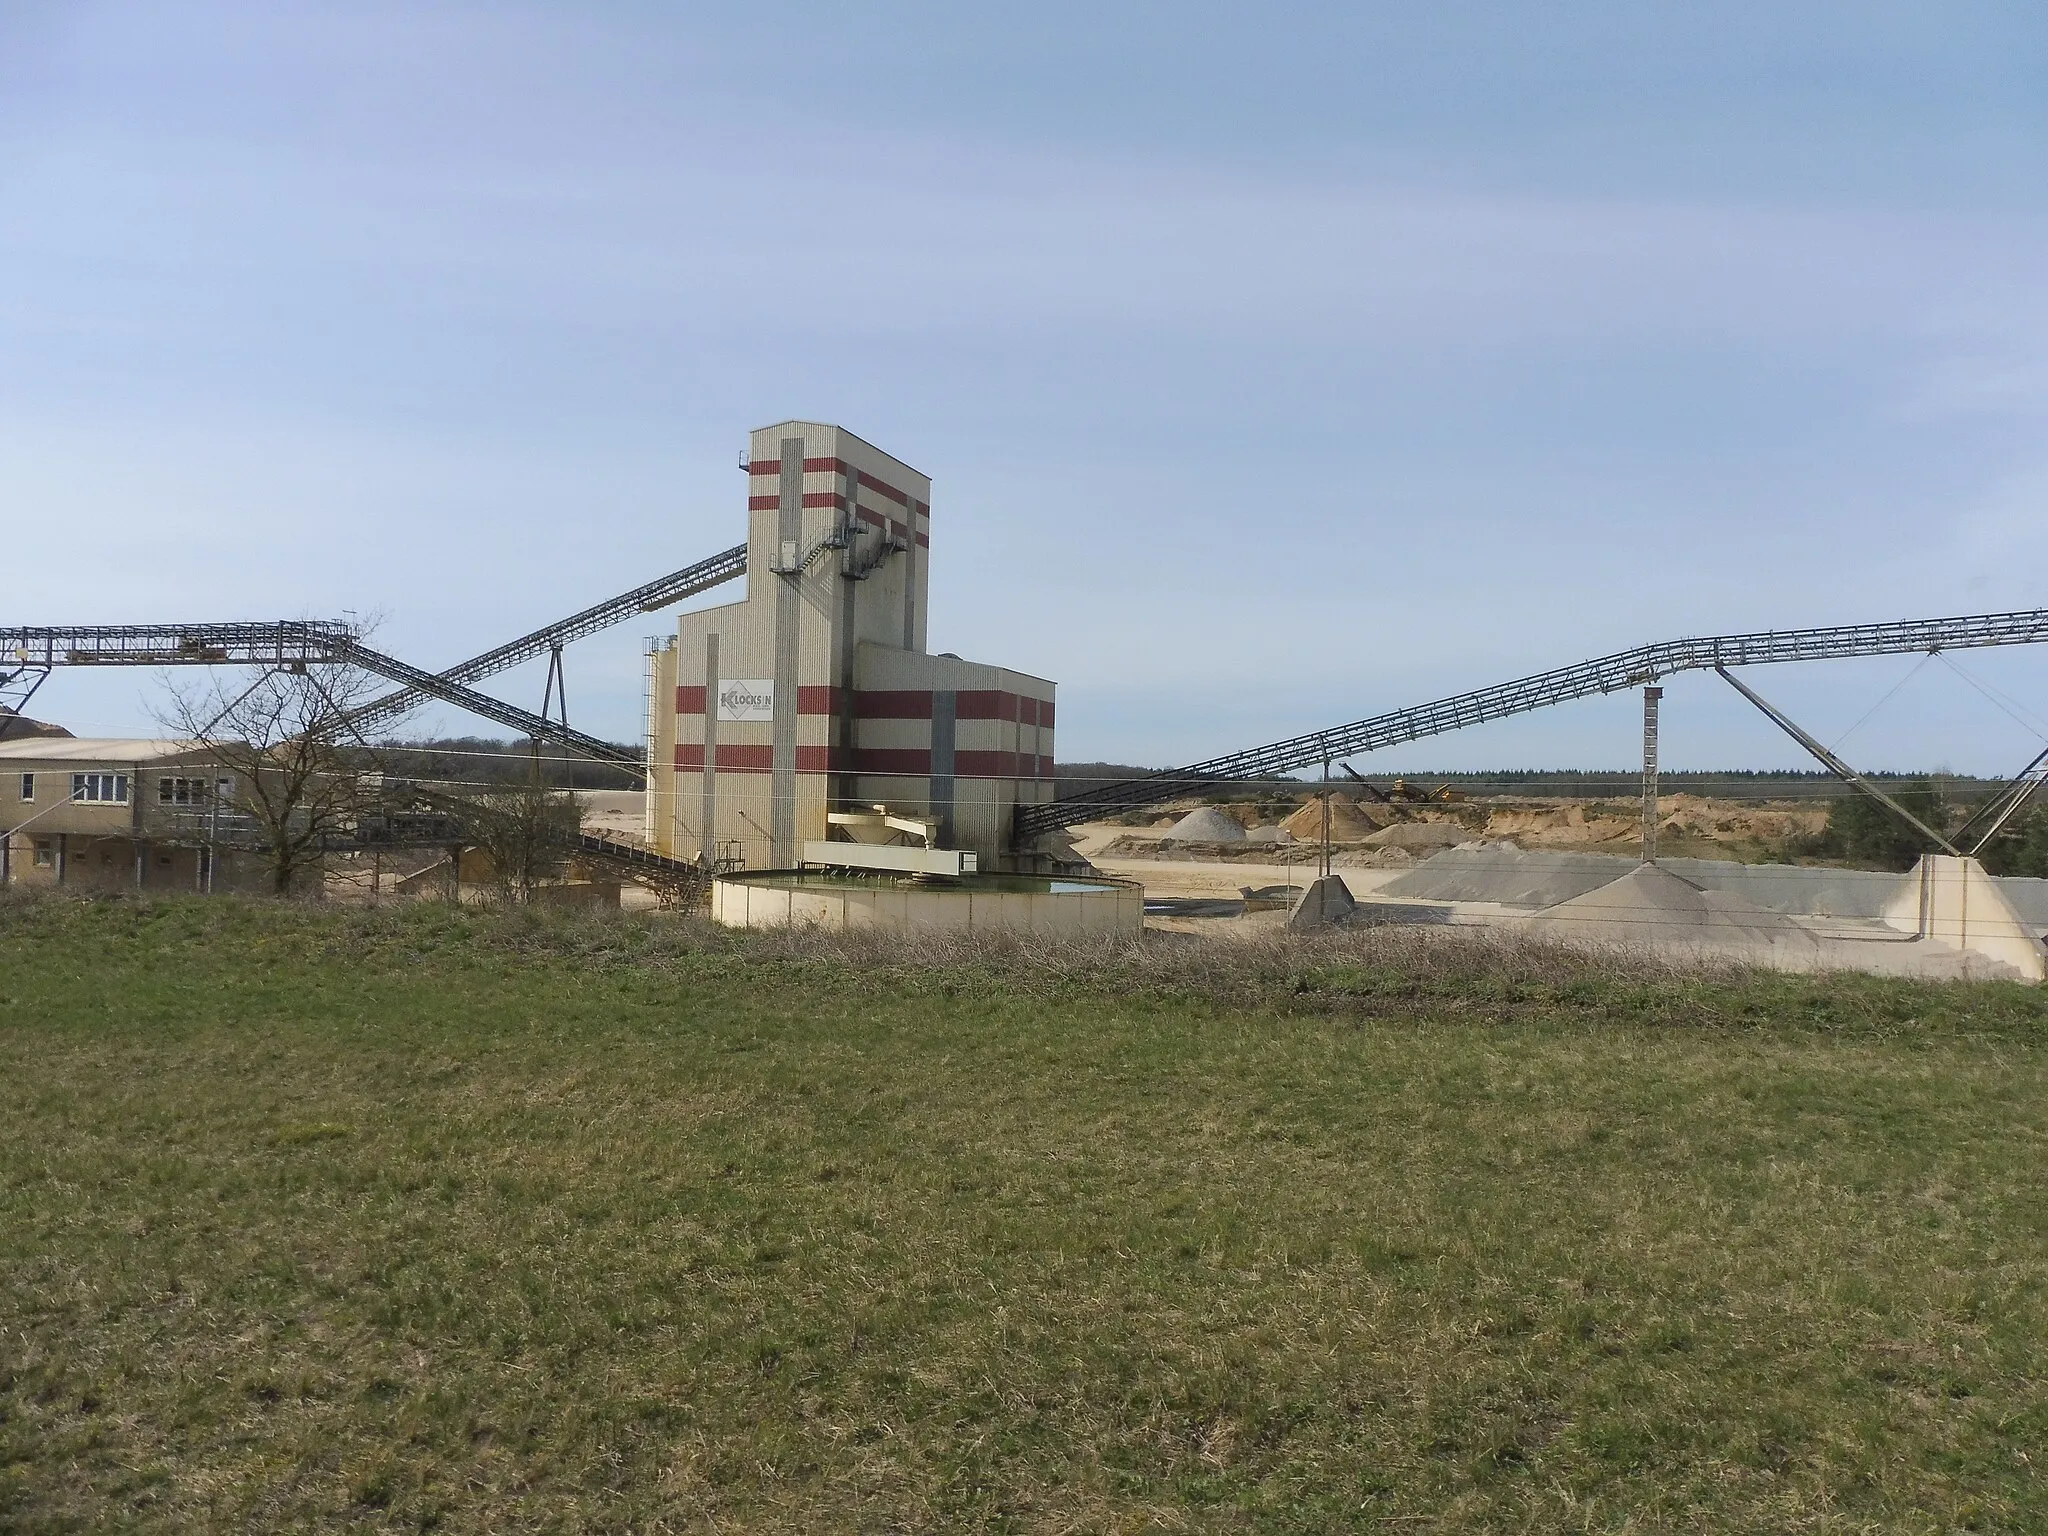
(664, 592)
(282, 643)
(29, 652)
(537, 727)
(294, 643)
(1606, 674)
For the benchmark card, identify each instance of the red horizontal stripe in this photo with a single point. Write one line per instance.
(985, 765)
(924, 541)
(755, 759)
(914, 762)
(868, 482)
(817, 699)
(893, 704)
(690, 699)
(968, 704)
(841, 467)
(984, 704)
(825, 499)
(811, 467)
(732, 758)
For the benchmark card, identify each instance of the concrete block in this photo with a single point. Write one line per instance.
(1954, 901)
(1326, 901)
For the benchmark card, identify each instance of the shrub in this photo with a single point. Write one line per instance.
(1863, 832)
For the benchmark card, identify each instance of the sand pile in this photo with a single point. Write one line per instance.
(1415, 836)
(1805, 889)
(1652, 906)
(1348, 824)
(1525, 877)
(1269, 835)
(1696, 816)
(1207, 825)
(1515, 877)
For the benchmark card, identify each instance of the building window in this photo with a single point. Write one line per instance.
(105, 788)
(28, 786)
(181, 791)
(46, 852)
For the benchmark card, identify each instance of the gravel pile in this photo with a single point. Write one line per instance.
(1504, 873)
(1206, 824)
(1651, 905)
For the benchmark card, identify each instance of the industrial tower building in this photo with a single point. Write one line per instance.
(815, 693)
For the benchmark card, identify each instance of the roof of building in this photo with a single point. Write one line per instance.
(833, 426)
(96, 749)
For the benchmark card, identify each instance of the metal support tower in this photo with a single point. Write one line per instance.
(553, 695)
(1835, 765)
(2007, 803)
(1651, 697)
(18, 684)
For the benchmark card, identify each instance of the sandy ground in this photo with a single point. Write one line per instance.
(620, 814)
(1686, 823)
(1811, 942)
(1186, 878)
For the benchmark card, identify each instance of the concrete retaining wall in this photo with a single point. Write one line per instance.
(1109, 910)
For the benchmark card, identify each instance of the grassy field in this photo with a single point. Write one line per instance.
(423, 1218)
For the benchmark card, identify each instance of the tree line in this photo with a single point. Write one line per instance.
(1862, 832)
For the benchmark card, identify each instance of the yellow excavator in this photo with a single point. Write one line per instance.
(1401, 792)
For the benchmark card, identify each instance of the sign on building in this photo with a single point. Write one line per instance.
(747, 698)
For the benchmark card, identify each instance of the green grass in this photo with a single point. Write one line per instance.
(419, 1218)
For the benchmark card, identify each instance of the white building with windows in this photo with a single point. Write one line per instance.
(109, 814)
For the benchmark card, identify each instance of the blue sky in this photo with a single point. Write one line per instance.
(1274, 365)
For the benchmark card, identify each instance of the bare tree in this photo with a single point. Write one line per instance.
(527, 832)
(295, 767)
